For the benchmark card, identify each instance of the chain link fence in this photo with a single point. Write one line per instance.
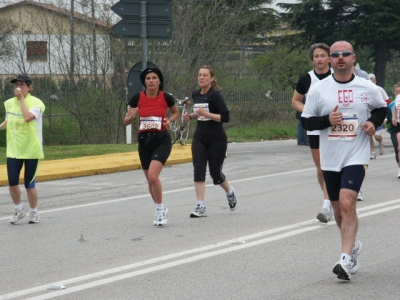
(102, 122)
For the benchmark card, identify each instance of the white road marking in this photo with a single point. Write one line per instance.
(164, 192)
(291, 230)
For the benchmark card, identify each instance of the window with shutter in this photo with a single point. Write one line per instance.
(36, 51)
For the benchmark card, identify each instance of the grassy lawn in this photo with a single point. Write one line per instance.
(261, 131)
(63, 152)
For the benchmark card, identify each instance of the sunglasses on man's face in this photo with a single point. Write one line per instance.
(344, 53)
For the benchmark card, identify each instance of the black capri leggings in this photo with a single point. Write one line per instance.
(209, 146)
(393, 137)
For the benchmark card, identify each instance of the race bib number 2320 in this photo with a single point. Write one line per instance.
(345, 131)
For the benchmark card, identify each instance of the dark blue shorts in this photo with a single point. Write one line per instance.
(14, 167)
(351, 177)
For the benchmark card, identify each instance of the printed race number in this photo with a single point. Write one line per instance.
(150, 123)
(345, 131)
(205, 107)
(343, 128)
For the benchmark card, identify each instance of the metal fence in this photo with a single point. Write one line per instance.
(63, 128)
(278, 97)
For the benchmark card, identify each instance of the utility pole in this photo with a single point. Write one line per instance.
(94, 44)
(72, 42)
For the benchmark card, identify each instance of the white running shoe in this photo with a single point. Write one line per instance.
(18, 216)
(381, 150)
(200, 211)
(342, 269)
(160, 218)
(398, 175)
(372, 155)
(33, 218)
(232, 200)
(354, 255)
(360, 196)
(325, 215)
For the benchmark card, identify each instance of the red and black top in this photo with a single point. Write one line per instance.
(152, 107)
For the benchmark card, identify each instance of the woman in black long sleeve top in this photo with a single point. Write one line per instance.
(209, 141)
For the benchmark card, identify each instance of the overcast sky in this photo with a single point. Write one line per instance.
(5, 2)
(282, 1)
(66, 3)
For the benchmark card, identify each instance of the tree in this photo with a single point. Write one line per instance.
(282, 66)
(5, 31)
(365, 23)
(221, 33)
(96, 106)
(215, 32)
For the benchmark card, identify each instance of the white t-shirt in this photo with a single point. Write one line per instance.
(383, 93)
(314, 80)
(348, 144)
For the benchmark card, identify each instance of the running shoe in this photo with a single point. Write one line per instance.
(398, 175)
(354, 255)
(360, 196)
(33, 218)
(232, 200)
(325, 215)
(372, 155)
(160, 218)
(18, 216)
(381, 150)
(200, 211)
(342, 269)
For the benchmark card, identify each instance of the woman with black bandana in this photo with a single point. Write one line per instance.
(154, 140)
(209, 141)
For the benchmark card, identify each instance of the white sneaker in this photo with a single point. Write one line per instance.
(160, 218)
(325, 215)
(342, 269)
(354, 255)
(232, 200)
(200, 211)
(33, 218)
(381, 150)
(360, 196)
(398, 175)
(18, 216)
(372, 155)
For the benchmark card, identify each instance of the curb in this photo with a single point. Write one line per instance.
(95, 165)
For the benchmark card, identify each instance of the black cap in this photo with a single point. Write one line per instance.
(152, 70)
(22, 78)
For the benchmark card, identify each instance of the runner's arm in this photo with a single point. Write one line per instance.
(315, 123)
(378, 115)
(297, 101)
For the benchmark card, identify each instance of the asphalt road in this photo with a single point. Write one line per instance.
(96, 237)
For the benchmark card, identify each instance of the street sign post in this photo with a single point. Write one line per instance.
(155, 9)
(155, 29)
(144, 19)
